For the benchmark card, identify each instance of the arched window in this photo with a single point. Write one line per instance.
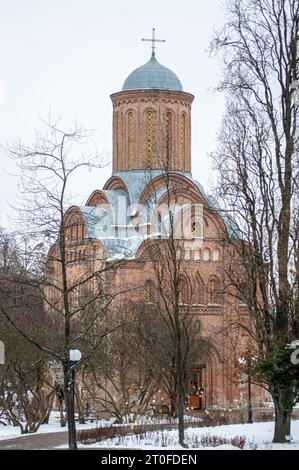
(80, 230)
(206, 254)
(216, 255)
(196, 230)
(199, 290)
(159, 224)
(146, 294)
(184, 296)
(75, 229)
(211, 291)
(149, 138)
(196, 216)
(214, 291)
(130, 139)
(168, 137)
(72, 230)
(183, 139)
(193, 228)
(149, 291)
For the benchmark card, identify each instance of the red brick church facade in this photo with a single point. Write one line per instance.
(151, 139)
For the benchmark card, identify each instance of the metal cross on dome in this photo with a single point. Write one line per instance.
(154, 40)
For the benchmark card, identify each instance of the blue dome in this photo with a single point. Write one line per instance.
(152, 75)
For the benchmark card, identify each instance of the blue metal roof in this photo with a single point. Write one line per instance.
(152, 75)
(101, 221)
(136, 180)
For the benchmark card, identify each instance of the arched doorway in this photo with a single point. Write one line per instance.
(195, 391)
(204, 383)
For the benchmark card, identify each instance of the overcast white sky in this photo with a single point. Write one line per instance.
(68, 56)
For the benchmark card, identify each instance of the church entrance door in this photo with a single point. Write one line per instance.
(196, 390)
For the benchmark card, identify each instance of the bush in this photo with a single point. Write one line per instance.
(90, 436)
(157, 438)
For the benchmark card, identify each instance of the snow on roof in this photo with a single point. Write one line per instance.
(113, 226)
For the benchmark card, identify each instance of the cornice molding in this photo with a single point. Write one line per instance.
(151, 95)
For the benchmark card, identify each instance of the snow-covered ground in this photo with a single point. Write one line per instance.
(258, 436)
(11, 432)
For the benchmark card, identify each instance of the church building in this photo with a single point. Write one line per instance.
(152, 143)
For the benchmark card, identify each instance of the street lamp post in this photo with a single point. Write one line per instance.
(74, 357)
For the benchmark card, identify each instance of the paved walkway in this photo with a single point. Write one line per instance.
(35, 441)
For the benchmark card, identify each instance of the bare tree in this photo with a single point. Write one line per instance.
(123, 377)
(25, 399)
(72, 278)
(257, 164)
(173, 288)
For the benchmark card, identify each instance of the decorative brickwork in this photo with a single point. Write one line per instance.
(152, 141)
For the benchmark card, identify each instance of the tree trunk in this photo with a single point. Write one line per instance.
(181, 408)
(80, 407)
(283, 412)
(181, 390)
(61, 414)
(173, 408)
